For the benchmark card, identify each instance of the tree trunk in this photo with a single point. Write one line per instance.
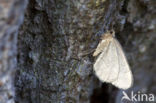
(55, 63)
(11, 16)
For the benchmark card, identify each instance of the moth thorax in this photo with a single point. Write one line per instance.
(107, 36)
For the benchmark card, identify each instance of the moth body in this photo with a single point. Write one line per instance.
(111, 65)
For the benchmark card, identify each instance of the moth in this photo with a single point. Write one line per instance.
(111, 65)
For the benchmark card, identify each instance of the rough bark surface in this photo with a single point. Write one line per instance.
(57, 39)
(11, 16)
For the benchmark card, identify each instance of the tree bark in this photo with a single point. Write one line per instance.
(56, 42)
(11, 17)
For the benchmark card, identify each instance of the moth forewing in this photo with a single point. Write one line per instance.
(125, 77)
(106, 64)
(111, 65)
(103, 44)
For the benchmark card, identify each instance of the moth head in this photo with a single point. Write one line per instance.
(112, 32)
(108, 35)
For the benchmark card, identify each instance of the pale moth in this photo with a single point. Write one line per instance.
(111, 65)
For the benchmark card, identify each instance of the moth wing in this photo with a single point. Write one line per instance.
(103, 44)
(106, 66)
(124, 79)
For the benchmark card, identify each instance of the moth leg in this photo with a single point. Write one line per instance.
(82, 54)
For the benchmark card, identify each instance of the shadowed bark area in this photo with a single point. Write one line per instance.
(55, 63)
(11, 16)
